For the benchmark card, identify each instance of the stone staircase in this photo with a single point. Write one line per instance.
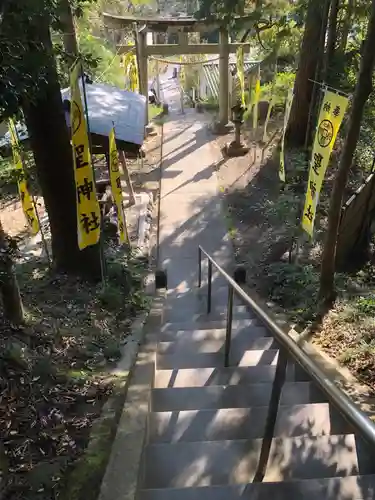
(206, 422)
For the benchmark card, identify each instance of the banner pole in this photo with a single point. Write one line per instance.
(116, 188)
(42, 236)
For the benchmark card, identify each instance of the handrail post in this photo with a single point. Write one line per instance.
(228, 335)
(209, 286)
(199, 267)
(273, 408)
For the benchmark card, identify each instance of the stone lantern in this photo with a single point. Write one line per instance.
(236, 147)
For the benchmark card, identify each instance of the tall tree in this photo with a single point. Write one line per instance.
(362, 92)
(310, 58)
(10, 294)
(331, 37)
(68, 28)
(347, 23)
(42, 104)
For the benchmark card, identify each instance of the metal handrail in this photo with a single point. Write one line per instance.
(355, 416)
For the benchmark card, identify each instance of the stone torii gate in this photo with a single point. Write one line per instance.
(182, 26)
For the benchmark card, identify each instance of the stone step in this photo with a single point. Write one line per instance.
(331, 488)
(238, 343)
(209, 463)
(189, 359)
(211, 334)
(244, 423)
(199, 302)
(231, 396)
(179, 313)
(218, 295)
(203, 322)
(233, 375)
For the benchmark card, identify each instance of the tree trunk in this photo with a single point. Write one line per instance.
(68, 28)
(331, 37)
(310, 57)
(318, 77)
(50, 143)
(10, 293)
(362, 91)
(348, 19)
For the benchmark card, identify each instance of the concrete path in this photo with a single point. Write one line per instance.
(190, 200)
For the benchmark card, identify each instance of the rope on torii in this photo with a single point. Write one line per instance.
(183, 63)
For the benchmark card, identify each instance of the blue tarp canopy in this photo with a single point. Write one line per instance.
(107, 107)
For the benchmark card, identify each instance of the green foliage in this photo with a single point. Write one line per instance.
(107, 68)
(363, 349)
(191, 71)
(8, 176)
(154, 111)
(20, 75)
(366, 305)
(279, 89)
(366, 144)
(7, 173)
(111, 297)
(26, 55)
(287, 206)
(294, 287)
(254, 10)
(212, 100)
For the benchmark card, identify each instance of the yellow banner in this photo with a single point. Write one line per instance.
(27, 201)
(256, 101)
(270, 106)
(134, 80)
(251, 96)
(131, 71)
(288, 107)
(115, 174)
(88, 211)
(241, 73)
(332, 112)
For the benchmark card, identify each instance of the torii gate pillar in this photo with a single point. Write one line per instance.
(224, 77)
(143, 70)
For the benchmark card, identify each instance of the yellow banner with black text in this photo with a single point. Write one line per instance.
(331, 114)
(27, 201)
(115, 175)
(88, 211)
